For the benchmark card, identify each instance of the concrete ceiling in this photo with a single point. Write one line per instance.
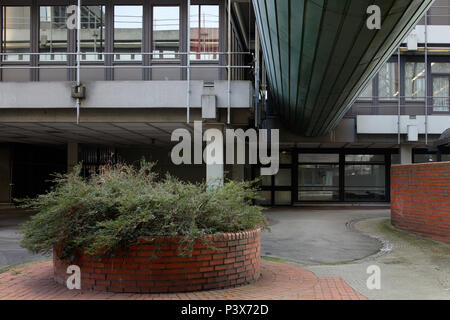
(121, 134)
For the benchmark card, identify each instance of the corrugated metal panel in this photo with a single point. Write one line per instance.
(320, 53)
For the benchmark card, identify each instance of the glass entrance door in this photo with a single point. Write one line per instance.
(318, 177)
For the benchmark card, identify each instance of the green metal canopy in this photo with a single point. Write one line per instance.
(320, 54)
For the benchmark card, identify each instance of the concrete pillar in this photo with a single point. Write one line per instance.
(72, 155)
(5, 174)
(214, 151)
(406, 154)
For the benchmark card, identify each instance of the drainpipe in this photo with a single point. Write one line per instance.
(78, 57)
(188, 63)
(426, 77)
(257, 57)
(229, 64)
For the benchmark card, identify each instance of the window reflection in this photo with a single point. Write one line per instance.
(204, 28)
(53, 33)
(318, 182)
(414, 81)
(365, 182)
(128, 33)
(92, 32)
(16, 33)
(388, 81)
(166, 32)
(441, 94)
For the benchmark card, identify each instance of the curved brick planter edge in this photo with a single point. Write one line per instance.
(236, 262)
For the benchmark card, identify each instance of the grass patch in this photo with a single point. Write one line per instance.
(274, 259)
(12, 268)
(336, 263)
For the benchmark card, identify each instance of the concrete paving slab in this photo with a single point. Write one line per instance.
(10, 251)
(319, 235)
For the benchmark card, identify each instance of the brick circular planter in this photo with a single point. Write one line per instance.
(235, 262)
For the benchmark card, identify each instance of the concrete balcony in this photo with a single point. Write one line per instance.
(124, 94)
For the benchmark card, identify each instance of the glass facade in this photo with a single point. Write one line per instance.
(93, 33)
(204, 29)
(53, 33)
(365, 182)
(16, 33)
(414, 81)
(343, 176)
(318, 182)
(128, 21)
(166, 32)
(388, 81)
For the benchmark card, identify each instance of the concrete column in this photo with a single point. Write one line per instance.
(406, 153)
(5, 173)
(214, 171)
(72, 155)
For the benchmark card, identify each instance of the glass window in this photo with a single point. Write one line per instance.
(166, 32)
(366, 94)
(16, 33)
(283, 198)
(283, 178)
(128, 33)
(318, 158)
(395, 159)
(53, 33)
(365, 182)
(204, 28)
(318, 182)
(388, 81)
(364, 157)
(445, 157)
(285, 157)
(440, 67)
(424, 158)
(265, 198)
(266, 181)
(92, 33)
(414, 81)
(441, 94)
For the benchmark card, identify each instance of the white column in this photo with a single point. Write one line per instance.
(214, 159)
(406, 154)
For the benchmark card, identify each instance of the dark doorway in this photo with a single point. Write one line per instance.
(33, 166)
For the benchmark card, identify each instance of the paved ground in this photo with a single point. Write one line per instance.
(316, 236)
(278, 281)
(336, 245)
(10, 251)
(411, 267)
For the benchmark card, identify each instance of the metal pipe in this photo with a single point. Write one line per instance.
(78, 57)
(229, 64)
(399, 97)
(257, 57)
(426, 77)
(188, 64)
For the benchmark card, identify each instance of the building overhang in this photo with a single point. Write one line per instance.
(320, 54)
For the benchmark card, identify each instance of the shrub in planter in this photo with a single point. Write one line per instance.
(109, 213)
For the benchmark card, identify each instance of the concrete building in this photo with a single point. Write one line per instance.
(349, 100)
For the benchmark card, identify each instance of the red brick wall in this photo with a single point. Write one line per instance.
(420, 199)
(236, 262)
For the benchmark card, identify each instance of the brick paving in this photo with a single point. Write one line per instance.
(278, 281)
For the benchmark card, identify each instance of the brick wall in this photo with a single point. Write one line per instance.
(420, 199)
(236, 262)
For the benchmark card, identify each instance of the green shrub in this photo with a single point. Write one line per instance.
(115, 208)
